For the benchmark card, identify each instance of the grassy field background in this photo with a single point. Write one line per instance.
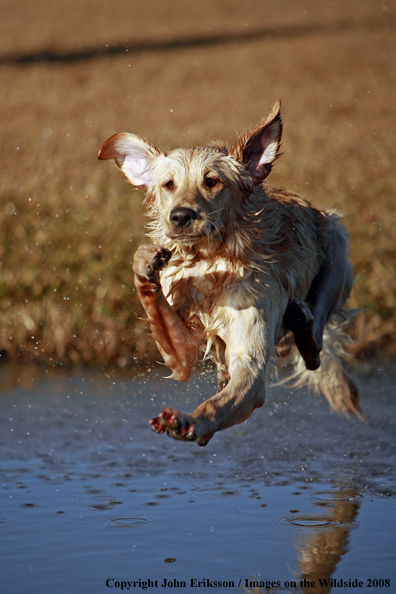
(179, 73)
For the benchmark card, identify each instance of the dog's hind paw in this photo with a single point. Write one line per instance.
(175, 424)
(298, 318)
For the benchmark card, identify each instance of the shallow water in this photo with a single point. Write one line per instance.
(91, 498)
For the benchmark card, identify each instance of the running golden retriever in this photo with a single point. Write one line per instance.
(249, 273)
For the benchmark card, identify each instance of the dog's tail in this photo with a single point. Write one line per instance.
(331, 379)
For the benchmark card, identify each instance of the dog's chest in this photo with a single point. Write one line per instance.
(199, 289)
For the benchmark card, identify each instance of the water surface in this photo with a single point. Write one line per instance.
(91, 498)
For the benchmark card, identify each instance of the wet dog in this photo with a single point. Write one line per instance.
(248, 273)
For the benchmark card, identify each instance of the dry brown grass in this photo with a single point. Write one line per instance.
(64, 298)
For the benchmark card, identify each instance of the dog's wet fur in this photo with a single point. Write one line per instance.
(250, 274)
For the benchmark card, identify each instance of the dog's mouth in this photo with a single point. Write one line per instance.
(208, 233)
(186, 238)
(188, 227)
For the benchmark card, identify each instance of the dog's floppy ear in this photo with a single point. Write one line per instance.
(132, 155)
(259, 148)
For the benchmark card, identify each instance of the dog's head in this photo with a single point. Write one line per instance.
(196, 193)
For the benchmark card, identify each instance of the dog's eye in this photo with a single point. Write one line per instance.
(210, 182)
(170, 185)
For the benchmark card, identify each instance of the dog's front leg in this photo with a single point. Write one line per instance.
(243, 394)
(245, 356)
(177, 345)
(233, 405)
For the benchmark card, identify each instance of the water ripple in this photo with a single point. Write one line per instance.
(126, 522)
(216, 492)
(314, 521)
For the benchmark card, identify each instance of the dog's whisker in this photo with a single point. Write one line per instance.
(218, 210)
(218, 233)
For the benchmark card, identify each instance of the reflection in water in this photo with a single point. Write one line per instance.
(325, 541)
(319, 553)
(22, 376)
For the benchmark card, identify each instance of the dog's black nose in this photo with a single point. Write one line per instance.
(181, 216)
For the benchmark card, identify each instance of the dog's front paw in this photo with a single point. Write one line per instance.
(150, 259)
(175, 424)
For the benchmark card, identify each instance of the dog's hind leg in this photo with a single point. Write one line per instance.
(223, 376)
(328, 292)
(299, 319)
(177, 345)
(332, 285)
